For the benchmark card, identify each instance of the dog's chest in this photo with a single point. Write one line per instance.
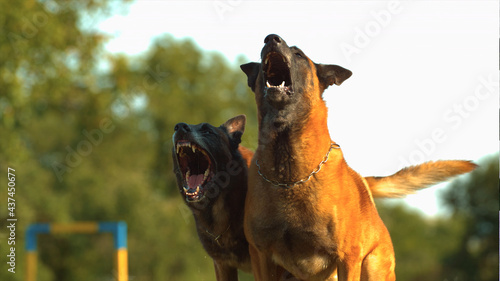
(291, 222)
(306, 248)
(294, 231)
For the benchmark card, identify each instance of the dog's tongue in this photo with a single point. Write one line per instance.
(194, 181)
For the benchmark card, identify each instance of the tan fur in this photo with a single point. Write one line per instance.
(246, 153)
(411, 179)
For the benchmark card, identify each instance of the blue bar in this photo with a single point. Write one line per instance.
(119, 231)
(32, 231)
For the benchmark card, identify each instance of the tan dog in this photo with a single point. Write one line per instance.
(306, 210)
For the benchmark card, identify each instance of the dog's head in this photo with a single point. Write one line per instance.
(201, 153)
(286, 82)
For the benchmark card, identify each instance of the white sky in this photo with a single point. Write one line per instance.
(421, 69)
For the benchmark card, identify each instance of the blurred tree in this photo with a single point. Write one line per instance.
(474, 199)
(46, 98)
(420, 243)
(91, 143)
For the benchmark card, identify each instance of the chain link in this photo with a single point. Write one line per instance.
(216, 238)
(293, 184)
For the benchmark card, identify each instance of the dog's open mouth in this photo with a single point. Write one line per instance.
(277, 73)
(196, 168)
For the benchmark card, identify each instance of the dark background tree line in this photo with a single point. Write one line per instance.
(89, 134)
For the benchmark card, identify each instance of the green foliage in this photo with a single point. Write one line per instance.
(90, 144)
(419, 243)
(474, 200)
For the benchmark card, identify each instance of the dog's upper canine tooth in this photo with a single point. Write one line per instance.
(268, 85)
(267, 60)
(193, 148)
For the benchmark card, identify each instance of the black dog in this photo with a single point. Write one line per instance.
(211, 170)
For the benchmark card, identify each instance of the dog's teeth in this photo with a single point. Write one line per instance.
(266, 61)
(178, 149)
(193, 148)
(268, 85)
(188, 173)
(197, 189)
(185, 188)
(282, 84)
(206, 174)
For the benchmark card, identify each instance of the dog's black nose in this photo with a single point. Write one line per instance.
(182, 127)
(273, 38)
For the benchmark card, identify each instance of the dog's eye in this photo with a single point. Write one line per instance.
(298, 55)
(206, 131)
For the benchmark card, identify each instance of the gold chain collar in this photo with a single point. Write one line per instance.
(293, 184)
(216, 238)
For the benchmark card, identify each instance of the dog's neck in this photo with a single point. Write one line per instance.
(292, 154)
(225, 208)
(215, 218)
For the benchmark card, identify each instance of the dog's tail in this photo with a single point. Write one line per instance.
(410, 179)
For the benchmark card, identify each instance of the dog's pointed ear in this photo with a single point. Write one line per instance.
(235, 128)
(252, 71)
(330, 74)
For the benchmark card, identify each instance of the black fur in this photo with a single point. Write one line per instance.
(227, 188)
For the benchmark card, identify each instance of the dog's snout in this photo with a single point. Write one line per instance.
(273, 38)
(182, 127)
